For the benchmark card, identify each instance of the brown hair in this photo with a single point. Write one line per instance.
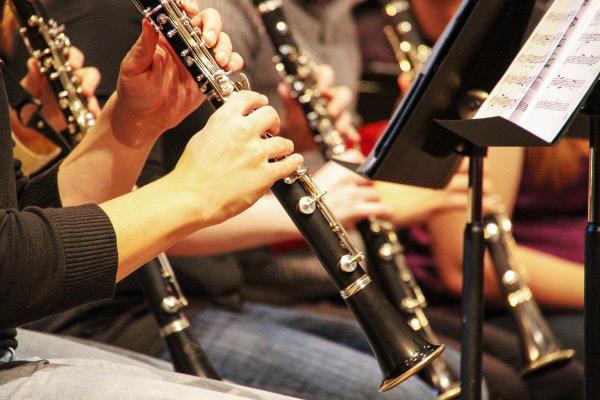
(555, 167)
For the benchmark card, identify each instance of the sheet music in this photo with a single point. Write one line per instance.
(552, 72)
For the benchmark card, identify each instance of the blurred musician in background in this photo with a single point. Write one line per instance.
(546, 191)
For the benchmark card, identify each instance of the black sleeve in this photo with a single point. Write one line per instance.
(52, 260)
(41, 191)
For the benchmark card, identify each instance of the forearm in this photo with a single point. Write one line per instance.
(264, 223)
(105, 164)
(150, 220)
(555, 282)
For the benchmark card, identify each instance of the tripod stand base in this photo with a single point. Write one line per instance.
(393, 382)
(556, 358)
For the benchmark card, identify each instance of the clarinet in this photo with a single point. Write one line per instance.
(399, 350)
(386, 261)
(539, 347)
(405, 37)
(168, 304)
(48, 44)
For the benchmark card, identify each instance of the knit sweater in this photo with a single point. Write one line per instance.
(52, 258)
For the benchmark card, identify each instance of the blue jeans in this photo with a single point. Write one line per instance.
(80, 371)
(298, 354)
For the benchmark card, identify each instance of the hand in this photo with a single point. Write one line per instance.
(155, 91)
(37, 85)
(339, 99)
(351, 197)
(413, 205)
(226, 166)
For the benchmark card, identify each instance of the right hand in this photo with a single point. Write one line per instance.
(351, 197)
(226, 167)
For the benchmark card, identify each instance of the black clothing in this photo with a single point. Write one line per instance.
(126, 320)
(52, 259)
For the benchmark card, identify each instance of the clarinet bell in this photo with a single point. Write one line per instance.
(536, 362)
(400, 351)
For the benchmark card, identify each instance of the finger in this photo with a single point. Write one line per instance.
(344, 125)
(341, 98)
(351, 155)
(34, 79)
(76, 58)
(190, 8)
(285, 167)
(367, 193)
(265, 119)
(325, 76)
(365, 210)
(210, 21)
(140, 56)
(89, 79)
(93, 105)
(277, 147)
(236, 62)
(222, 50)
(244, 102)
(283, 91)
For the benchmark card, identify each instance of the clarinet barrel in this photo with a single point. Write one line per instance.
(539, 347)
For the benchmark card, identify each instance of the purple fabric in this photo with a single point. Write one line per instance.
(553, 220)
(545, 219)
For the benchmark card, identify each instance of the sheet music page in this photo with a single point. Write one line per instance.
(552, 72)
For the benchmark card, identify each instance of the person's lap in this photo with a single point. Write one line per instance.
(297, 353)
(91, 373)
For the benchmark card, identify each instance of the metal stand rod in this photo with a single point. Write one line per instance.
(472, 303)
(592, 268)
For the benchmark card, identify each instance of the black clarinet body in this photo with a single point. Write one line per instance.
(539, 347)
(386, 263)
(399, 350)
(168, 304)
(405, 37)
(47, 43)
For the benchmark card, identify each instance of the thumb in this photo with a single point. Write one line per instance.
(140, 56)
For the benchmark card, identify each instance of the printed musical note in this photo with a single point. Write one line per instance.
(554, 70)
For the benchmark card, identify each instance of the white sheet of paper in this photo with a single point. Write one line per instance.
(552, 72)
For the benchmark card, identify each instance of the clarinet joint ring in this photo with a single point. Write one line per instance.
(355, 287)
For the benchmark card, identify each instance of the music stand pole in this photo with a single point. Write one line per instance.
(592, 255)
(472, 301)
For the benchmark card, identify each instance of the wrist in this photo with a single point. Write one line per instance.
(193, 208)
(129, 128)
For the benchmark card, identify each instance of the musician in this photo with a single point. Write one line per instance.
(263, 346)
(59, 249)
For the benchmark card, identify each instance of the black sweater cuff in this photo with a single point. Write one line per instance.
(90, 253)
(42, 191)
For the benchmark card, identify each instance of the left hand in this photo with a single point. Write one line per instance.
(37, 85)
(339, 100)
(155, 91)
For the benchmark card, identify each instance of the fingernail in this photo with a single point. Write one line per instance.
(265, 98)
(211, 37)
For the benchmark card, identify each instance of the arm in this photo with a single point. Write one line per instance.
(264, 223)
(350, 197)
(69, 256)
(554, 281)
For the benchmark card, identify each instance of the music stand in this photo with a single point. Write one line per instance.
(418, 148)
